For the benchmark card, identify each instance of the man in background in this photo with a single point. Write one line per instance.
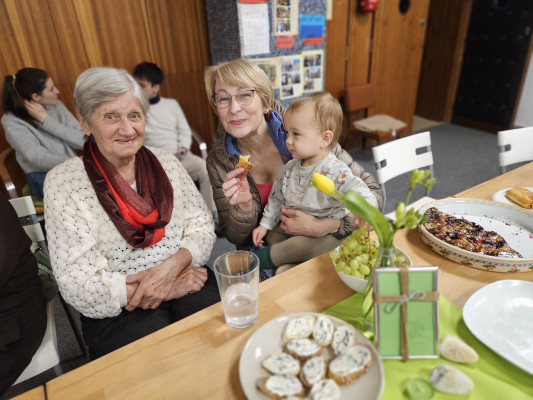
(167, 129)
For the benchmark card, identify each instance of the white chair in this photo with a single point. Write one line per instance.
(47, 355)
(514, 146)
(400, 156)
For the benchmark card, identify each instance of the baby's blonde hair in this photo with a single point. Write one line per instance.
(328, 112)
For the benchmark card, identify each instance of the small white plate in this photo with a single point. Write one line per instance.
(500, 315)
(268, 339)
(500, 196)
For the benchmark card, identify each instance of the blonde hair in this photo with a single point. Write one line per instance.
(327, 110)
(243, 74)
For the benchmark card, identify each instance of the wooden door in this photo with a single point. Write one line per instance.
(495, 60)
(398, 45)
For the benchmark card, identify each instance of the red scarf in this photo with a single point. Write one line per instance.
(139, 217)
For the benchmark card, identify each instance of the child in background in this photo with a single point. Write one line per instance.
(313, 125)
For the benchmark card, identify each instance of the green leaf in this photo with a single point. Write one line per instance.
(357, 204)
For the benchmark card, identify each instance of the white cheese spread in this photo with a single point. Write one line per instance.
(283, 385)
(314, 370)
(282, 363)
(326, 389)
(323, 330)
(352, 361)
(343, 339)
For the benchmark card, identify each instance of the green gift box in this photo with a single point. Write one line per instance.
(406, 311)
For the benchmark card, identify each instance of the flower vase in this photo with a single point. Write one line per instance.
(384, 259)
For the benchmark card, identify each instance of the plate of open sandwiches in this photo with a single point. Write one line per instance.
(312, 356)
(481, 234)
(516, 196)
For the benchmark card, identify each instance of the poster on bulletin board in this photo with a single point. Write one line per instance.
(313, 70)
(291, 76)
(271, 68)
(285, 17)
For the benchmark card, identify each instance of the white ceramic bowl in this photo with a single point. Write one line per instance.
(359, 284)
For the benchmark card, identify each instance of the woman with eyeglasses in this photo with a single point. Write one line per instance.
(38, 126)
(251, 124)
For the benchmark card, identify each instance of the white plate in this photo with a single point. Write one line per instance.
(514, 224)
(500, 315)
(267, 340)
(500, 196)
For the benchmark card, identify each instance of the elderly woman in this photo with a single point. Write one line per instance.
(251, 124)
(127, 228)
(38, 126)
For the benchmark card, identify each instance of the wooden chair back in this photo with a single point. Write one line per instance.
(357, 98)
(13, 177)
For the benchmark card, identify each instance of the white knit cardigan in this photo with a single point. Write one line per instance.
(91, 259)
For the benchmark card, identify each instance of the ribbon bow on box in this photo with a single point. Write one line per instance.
(402, 300)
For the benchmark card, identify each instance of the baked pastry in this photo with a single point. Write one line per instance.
(313, 370)
(281, 363)
(243, 162)
(302, 349)
(323, 330)
(521, 196)
(299, 328)
(349, 366)
(343, 339)
(467, 235)
(326, 389)
(281, 386)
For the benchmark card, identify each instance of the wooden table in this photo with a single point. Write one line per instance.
(198, 357)
(33, 394)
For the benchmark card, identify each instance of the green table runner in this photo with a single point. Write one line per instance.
(494, 377)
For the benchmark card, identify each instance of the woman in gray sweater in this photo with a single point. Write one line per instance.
(38, 126)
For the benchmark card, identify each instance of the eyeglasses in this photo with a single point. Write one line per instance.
(243, 98)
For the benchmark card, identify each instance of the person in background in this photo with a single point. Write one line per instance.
(127, 229)
(313, 125)
(251, 124)
(22, 303)
(38, 126)
(167, 129)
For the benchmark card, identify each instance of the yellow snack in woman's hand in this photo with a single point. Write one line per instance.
(243, 162)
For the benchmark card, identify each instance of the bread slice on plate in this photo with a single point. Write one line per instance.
(521, 196)
(313, 370)
(281, 363)
(347, 367)
(343, 339)
(299, 328)
(326, 389)
(323, 330)
(281, 386)
(302, 349)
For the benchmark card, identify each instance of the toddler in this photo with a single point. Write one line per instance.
(313, 125)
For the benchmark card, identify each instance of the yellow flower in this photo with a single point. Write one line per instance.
(322, 183)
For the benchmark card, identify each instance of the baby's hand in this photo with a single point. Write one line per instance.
(258, 234)
(358, 221)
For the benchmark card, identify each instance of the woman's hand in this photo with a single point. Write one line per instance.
(156, 284)
(237, 189)
(298, 223)
(36, 110)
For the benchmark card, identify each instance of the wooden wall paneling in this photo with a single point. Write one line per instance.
(441, 63)
(360, 30)
(336, 47)
(29, 40)
(190, 56)
(115, 32)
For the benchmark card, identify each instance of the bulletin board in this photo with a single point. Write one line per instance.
(286, 38)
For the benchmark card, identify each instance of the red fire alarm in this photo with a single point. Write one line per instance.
(368, 5)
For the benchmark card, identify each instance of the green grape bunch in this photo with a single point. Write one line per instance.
(357, 254)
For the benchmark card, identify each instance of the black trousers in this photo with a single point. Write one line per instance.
(105, 335)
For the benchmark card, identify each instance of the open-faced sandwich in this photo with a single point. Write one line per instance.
(521, 196)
